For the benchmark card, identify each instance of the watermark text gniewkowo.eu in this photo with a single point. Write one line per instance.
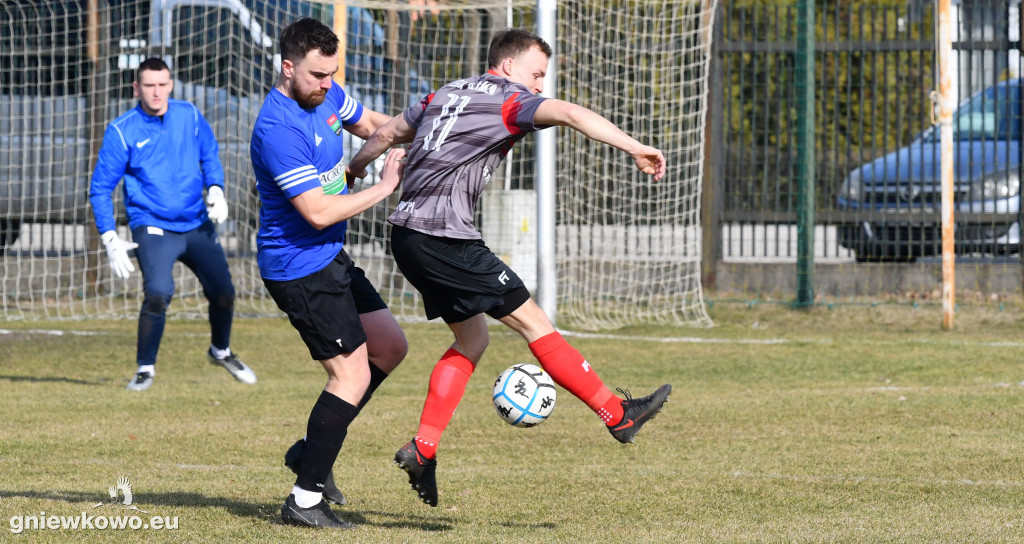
(86, 521)
(120, 496)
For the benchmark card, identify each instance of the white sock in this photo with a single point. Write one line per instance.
(306, 499)
(147, 368)
(219, 353)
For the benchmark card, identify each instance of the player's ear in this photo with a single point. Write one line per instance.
(135, 89)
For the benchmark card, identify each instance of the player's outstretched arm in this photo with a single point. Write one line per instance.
(648, 160)
(395, 131)
(322, 211)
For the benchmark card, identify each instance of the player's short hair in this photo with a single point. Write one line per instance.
(513, 42)
(303, 36)
(154, 64)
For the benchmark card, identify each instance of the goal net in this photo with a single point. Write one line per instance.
(628, 248)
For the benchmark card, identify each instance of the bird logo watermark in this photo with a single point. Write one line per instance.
(124, 489)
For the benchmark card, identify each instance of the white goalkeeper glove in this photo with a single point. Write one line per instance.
(117, 254)
(218, 206)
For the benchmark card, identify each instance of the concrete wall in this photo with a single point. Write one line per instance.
(867, 279)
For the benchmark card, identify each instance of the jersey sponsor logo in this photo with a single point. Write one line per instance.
(334, 123)
(503, 277)
(142, 143)
(406, 206)
(317, 139)
(333, 180)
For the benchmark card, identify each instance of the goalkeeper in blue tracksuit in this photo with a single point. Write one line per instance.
(167, 155)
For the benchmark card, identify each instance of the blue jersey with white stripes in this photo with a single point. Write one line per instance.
(295, 150)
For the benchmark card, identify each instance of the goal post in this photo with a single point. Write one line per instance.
(625, 249)
(547, 178)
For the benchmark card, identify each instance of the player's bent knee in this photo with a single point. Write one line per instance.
(155, 303)
(473, 348)
(225, 301)
(388, 355)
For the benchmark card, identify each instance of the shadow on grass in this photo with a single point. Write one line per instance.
(51, 379)
(270, 512)
(529, 525)
(405, 521)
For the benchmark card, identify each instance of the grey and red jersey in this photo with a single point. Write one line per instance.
(463, 131)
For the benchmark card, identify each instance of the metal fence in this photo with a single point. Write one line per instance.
(876, 184)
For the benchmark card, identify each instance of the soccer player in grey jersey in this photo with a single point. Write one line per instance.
(459, 135)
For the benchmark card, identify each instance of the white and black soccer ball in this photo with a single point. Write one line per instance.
(524, 395)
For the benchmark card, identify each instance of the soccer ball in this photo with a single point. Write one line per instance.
(524, 395)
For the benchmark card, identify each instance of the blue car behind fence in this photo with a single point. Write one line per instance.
(897, 198)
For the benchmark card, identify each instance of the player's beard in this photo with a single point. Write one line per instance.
(311, 100)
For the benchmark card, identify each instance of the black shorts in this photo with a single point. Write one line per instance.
(458, 279)
(325, 306)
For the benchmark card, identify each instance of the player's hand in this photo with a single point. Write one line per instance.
(117, 254)
(217, 205)
(650, 161)
(350, 175)
(394, 167)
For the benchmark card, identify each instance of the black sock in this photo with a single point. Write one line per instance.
(325, 433)
(377, 377)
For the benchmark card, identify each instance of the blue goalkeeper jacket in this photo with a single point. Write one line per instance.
(166, 162)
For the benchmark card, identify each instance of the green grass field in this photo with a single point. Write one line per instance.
(856, 424)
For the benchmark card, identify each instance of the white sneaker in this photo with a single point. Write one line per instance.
(235, 366)
(141, 381)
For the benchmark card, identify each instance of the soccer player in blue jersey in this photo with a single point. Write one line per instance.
(297, 156)
(167, 154)
(459, 135)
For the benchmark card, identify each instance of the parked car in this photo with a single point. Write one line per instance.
(905, 186)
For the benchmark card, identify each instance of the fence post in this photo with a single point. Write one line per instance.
(96, 111)
(710, 213)
(804, 85)
(341, 29)
(1020, 148)
(947, 103)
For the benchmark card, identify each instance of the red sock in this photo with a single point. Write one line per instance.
(447, 385)
(571, 371)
